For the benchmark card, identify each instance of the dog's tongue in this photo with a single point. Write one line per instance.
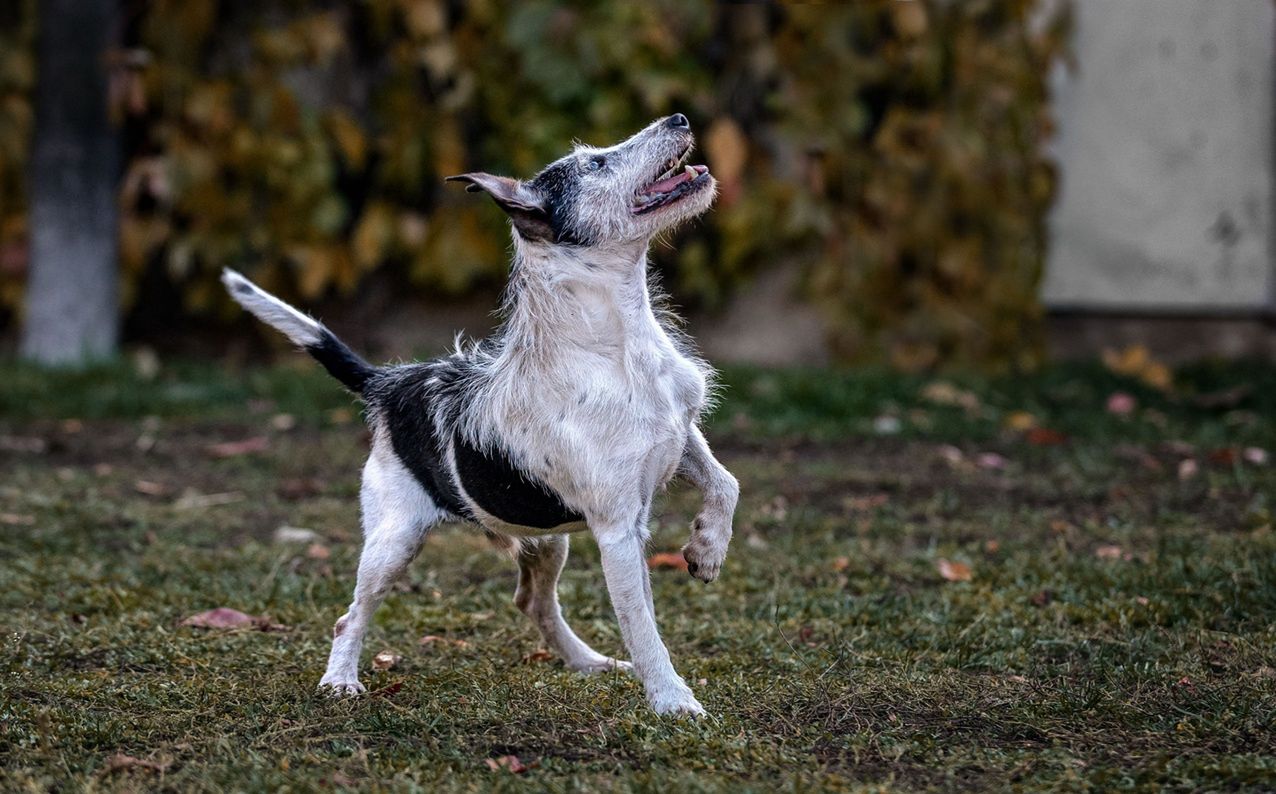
(685, 175)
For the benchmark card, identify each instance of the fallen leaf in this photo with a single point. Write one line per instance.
(300, 487)
(992, 546)
(283, 422)
(510, 763)
(385, 660)
(227, 618)
(121, 761)
(1225, 456)
(193, 500)
(1108, 552)
(318, 551)
(1045, 437)
(387, 690)
(862, 504)
(1121, 404)
(952, 455)
(431, 639)
(990, 460)
(287, 534)
(667, 559)
(1043, 597)
(538, 655)
(944, 393)
(954, 571)
(1020, 421)
(231, 449)
(150, 488)
(1188, 469)
(17, 519)
(841, 563)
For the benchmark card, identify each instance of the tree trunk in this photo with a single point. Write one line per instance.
(72, 299)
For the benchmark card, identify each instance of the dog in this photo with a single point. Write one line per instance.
(583, 404)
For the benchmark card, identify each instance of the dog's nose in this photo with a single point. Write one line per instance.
(678, 122)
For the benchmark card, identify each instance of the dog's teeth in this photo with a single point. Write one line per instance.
(690, 171)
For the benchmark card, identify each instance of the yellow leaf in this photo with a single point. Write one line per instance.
(728, 151)
(424, 18)
(372, 236)
(314, 269)
(349, 138)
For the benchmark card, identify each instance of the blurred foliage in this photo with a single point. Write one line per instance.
(17, 76)
(892, 150)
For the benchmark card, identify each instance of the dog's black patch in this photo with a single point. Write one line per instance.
(559, 188)
(495, 484)
(341, 362)
(416, 441)
(411, 400)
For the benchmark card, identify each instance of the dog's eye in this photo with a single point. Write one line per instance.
(597, 162)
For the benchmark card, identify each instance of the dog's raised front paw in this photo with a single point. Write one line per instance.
(341, 687)
(674, 700)
(705, 552)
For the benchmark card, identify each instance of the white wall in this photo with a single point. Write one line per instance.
(1165, 149)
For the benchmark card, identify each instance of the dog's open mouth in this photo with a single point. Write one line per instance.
(677, 182)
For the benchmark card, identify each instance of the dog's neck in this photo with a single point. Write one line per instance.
(564, 300)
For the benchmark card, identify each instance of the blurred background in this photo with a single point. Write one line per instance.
(989, 284)
(925, 184)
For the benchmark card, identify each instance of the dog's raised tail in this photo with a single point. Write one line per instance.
(306, 332)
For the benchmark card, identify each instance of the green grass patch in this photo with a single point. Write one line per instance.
(1116, 631)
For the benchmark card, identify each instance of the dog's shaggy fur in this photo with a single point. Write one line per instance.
(572, 415)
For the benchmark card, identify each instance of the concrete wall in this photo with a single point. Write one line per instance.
(1165, 148)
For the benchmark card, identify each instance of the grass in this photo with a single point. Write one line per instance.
(1118, 630)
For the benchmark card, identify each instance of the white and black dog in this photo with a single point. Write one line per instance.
(572, 415)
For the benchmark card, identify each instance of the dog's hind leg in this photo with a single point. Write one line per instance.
(396, 515)
(540, 560)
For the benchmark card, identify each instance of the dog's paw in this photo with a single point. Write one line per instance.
(600, 664)
(339, 688)
(705, 552)
(675, 701)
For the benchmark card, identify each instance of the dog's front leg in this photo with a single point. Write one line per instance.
(711, 530)
(625, 569)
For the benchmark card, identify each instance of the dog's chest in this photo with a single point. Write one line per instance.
(610, 421)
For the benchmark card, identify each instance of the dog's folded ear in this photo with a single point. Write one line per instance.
(524, 206)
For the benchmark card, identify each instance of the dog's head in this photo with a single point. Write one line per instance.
(628, 192)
